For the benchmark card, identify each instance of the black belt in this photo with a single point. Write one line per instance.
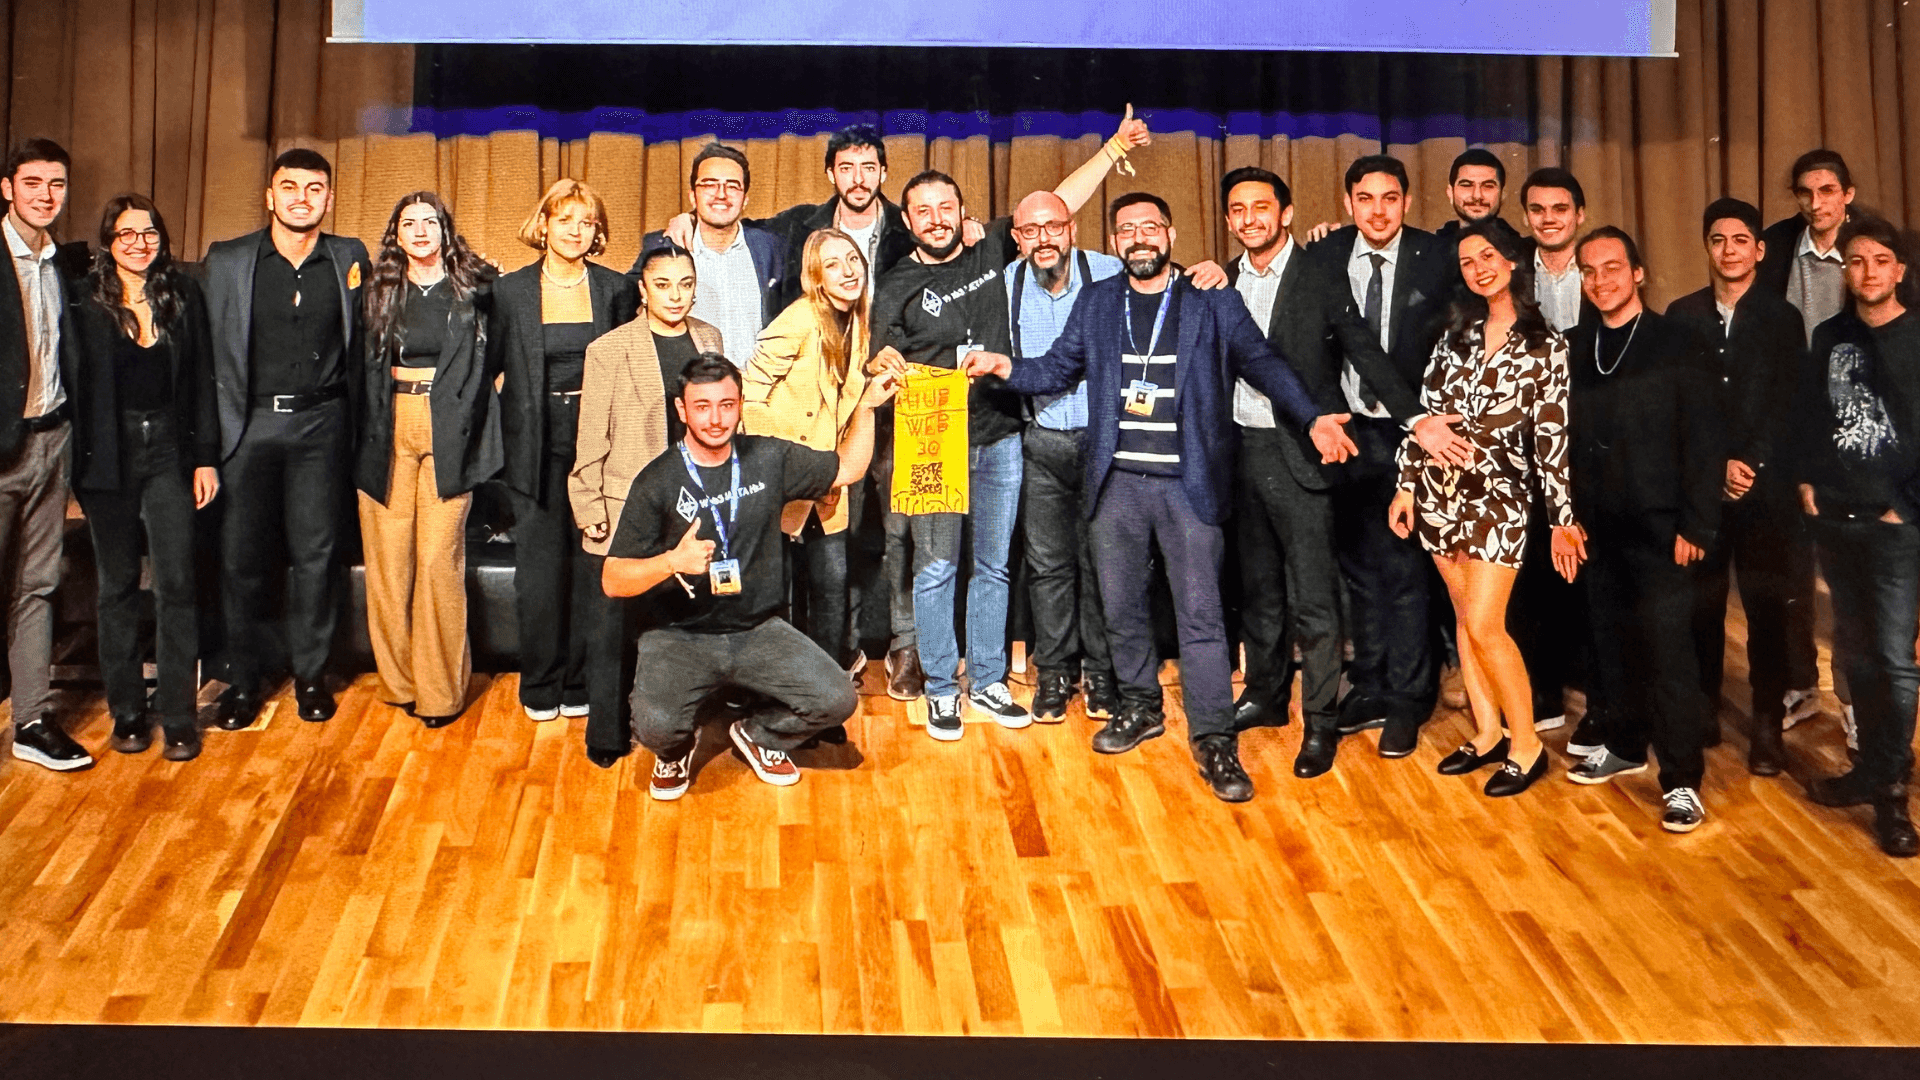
(49, 420)
(413, 387)
(293, 403)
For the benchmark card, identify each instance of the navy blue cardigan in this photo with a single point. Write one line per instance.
(1218, 344)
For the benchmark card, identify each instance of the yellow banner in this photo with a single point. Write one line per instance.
(930, 442)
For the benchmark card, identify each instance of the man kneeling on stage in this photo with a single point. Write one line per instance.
(701, 531)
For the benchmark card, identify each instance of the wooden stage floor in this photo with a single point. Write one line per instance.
(367, 871)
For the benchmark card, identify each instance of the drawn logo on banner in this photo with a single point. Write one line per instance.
(930, 303)
(930, 442)
(687, 505)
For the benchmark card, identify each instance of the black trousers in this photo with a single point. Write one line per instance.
(1873, 572)
(1645, 689)
(1764, 537)
(800, 689)
(1389, 586)
(1069, 623)
(154, 503)
(821, 589)
(1289, 592)
(894, 577)
(286, 492)
(1547, 618)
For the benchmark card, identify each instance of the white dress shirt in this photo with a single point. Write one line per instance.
(1557, 294)
(41, 301)
(727, 294)
(1259, 290)
(1359, 272)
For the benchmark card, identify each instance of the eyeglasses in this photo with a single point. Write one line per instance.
(1146, 230)
(1053, 229)
(137, 237)
(714, 187)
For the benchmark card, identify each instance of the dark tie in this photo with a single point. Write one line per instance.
(1376, 289)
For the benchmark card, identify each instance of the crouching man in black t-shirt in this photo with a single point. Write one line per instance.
(702, 527)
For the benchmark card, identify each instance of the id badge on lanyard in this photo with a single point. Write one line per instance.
(1139, 394)
(723, 574)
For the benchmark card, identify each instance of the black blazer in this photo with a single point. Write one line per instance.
(1314, 330)
(227, 273)
(1646, 451)
(1782, 239)
(13, 345)
(94, 391)
(1415, 314)
(466, 418)
(796, 223)
(1756, 366)
(769, 254)
(517, 348)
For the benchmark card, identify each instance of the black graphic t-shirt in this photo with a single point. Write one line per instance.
(664, 501)
(927, 312)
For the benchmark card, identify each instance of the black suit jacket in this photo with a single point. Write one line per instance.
(93, 389)
(13, 343)
(769, 253)
(1782, 239)
(1756, 366)
(1314, 330)
(796, 223)
(1415, 314)
(228, 278)
(1646, 451)
(517, 348)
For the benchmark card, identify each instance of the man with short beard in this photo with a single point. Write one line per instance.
(1756, 338)
(1159, 357)
(1069, 628)
(284, 303)
(933, 308)
(1476, 186)
(741, 269)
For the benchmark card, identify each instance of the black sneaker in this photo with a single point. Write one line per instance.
(1134, 725)
(1684, 812)
(943, 718)
(1219, 759)
(1052, 690)
(44, 743)
(996, 701)
(1103, 698)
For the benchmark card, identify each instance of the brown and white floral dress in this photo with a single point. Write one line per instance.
(1514, 410)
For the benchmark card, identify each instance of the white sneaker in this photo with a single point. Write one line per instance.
(573, 710)
(997, 702)
(1550, 723)
(540, 715)
(1853, 732)
(1801, 705)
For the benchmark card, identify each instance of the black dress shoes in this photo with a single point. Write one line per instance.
(605, 758)
(239, 708)
(1249, 712)
(1316, 751)
(1219, 759)
(1891, 825)
(1512, 779)
(182, 740)
(1399, 737)
(1359, 714)
(1467, 759)
(434, 722)
(314, 700)
(1134, 725)
(132, 734)
(1847, 789)
(1766, 754)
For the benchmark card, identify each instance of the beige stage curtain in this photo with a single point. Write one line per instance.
(189, 99)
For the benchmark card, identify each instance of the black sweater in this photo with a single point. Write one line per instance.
(1859, 425)
(1756, 366)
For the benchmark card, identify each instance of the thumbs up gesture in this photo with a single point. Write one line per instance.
(692, 554)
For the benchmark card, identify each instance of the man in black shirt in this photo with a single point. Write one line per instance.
(949, 299)
(1646, 459)
(701, 530)
(285, 306)
(1756, 336)
(1857, 461)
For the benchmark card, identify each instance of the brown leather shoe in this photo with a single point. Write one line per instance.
(905, 680)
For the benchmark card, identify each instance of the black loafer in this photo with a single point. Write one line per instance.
(1398, 738)
(1219, 759)
(1358, 714)
(1467, 759)
(1512, 779)
(132, 734)
(1134, 725)
(238, 709)
(315, 702)
(182, 741)
(1316, 752)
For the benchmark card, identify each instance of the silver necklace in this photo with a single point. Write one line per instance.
(1623, 348)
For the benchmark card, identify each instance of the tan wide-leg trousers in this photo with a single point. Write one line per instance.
(416, 574)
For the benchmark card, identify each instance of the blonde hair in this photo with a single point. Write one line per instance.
(836, 348)
(533, 232)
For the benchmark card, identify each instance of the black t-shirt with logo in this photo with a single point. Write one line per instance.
(927, 312)
(664, 501)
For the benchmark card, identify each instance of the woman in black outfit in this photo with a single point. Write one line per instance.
(146, 440)
(544, 316)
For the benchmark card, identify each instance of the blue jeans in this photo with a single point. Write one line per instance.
(994, 500)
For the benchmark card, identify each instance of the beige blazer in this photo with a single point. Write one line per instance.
(792, 394)
(623, 421)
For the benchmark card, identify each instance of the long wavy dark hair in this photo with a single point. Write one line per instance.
(1469, 309)
(388, 284)
(163, 278)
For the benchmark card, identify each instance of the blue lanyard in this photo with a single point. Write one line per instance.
(733, 496)
(1159, 321)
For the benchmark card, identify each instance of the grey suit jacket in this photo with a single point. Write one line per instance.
(228, 278)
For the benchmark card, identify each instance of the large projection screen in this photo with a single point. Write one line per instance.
(1528, 27)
